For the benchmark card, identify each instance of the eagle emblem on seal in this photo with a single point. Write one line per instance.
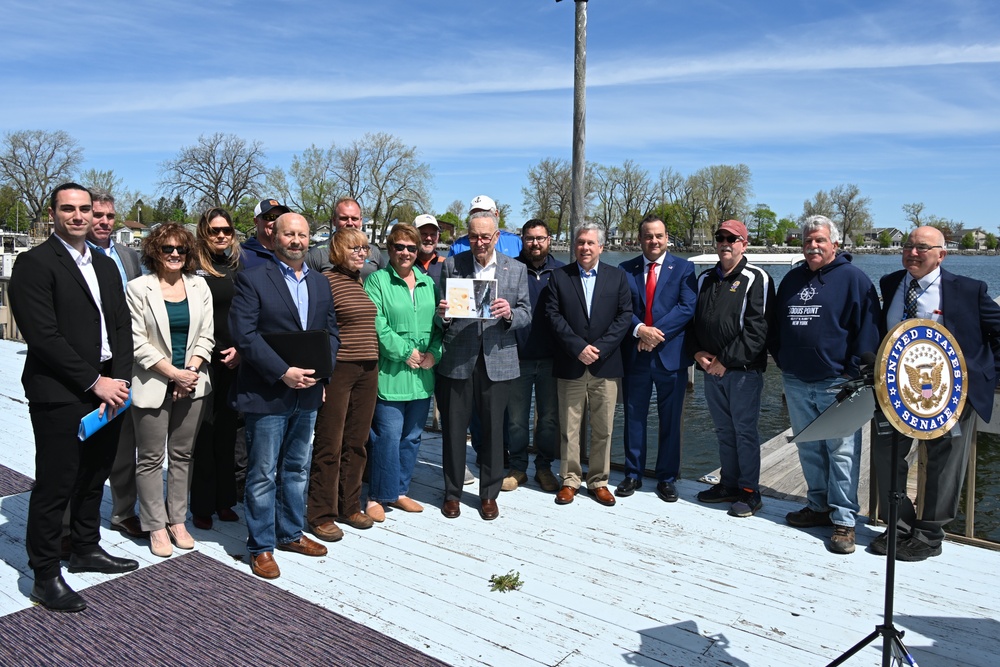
(926, 384)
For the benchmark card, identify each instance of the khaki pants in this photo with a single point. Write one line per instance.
(574, 396)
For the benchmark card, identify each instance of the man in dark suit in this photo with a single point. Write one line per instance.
(70, 307)
(589, 309)
(478, 364)
(925, 290)
(280, 401)
(664, 290)
(122, 478)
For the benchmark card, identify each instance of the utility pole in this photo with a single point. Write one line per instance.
(579, 167)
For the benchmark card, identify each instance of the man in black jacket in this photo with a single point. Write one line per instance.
(70, 307)
(728, 339)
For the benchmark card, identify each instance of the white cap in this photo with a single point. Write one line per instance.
(425, 219)
(482, 203)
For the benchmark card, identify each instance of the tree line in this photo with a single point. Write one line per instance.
(391, 182)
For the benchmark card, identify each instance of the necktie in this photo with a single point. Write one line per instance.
(650, 290)
(910, 304)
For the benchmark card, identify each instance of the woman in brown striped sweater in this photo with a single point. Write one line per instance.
(344, 420)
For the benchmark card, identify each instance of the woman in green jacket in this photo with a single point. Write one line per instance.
(409, 335)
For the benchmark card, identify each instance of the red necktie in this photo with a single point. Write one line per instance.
(650, 290)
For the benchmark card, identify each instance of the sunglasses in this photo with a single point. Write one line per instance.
(215, 231)
(169, 249)
(400, 247)
(727, 238)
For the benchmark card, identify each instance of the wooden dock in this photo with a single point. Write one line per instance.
(643, 583)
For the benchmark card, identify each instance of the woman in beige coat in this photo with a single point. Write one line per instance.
(173, 333)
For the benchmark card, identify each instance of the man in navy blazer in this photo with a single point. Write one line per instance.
(279, 401)
(962, 305)
(69, 305)
(664, 291)
(589, 310)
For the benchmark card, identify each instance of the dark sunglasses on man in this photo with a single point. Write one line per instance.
(727, 238)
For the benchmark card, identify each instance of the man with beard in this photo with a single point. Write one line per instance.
(534, 351)
(826, 314)
(280, 401)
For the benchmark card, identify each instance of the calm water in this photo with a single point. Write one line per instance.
(700, 454)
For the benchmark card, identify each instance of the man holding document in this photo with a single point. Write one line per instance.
(280, 389)
(70, 308)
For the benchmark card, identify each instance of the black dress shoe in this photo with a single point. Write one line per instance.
(628, 487)
(666, 492)
(101, 561)
(130, 526)
(55, 594)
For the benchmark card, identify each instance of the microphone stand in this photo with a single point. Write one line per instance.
(892, 638)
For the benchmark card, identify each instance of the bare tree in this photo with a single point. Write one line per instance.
(314, 184)
(98, 179)
(914, 213)
(606, 181)
(390, 175)
(727, 190)
(548, 193)
(851, 210)
(457, 209)
(688, 197)
(635, 196)
(819, 205)
(220, 170)
(350, 170)
(34, 162)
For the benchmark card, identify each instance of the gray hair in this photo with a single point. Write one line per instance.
(99, 195)
(814, 222)
(486, 214)
(590, 227)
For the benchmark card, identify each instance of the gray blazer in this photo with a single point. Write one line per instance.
(130, 260)
(463, 338)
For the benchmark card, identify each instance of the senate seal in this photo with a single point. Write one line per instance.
(920, 379)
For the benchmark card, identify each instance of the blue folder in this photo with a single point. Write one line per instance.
(91, 423)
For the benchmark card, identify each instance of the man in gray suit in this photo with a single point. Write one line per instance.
(122, 477)
(478, 364)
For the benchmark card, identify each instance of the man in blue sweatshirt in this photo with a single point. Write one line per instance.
(826, 318)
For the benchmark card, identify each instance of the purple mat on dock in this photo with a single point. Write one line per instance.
(193, 610)
(12, 482)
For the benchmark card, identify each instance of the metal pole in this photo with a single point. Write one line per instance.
(576, 208)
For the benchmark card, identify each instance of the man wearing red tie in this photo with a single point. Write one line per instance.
(664, 291)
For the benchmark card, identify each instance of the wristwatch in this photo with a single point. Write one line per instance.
(193, 369)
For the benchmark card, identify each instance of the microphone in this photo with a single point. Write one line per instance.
(866, 379)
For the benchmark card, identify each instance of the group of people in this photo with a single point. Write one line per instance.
(192, 343)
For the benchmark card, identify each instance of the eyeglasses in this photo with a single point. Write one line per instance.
(727, 238)
(482, 238)
(270, 217)
(170, 249)
(536, 239)
(921, 248)
(400, 247)
(365, 249)
(215, 231)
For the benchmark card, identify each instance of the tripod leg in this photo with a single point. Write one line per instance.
(900, 652)
(857, 647)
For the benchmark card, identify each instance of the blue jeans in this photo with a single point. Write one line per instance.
(279, 451)
(396, 430)
(537, 373)
(831, 467)
(734, 403)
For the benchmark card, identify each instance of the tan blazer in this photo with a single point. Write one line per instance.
(151, 336)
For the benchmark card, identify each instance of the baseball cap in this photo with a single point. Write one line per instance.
(482, 203)
(425, 219)
(268, 205)
(736, 228)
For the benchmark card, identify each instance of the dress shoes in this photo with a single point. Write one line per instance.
(565, 495)
(180, 536)
(328, 532)
(227, 514)
(263, 565)
(201, 522)
(407, 504)
(130, 526)
(304, 546)
(55, 594)
(101, 561)
(358, 521)
(667, 492)
(628, 487)
(451, 509)
(375, 512)
(488, 510)
(546, 480)
(601, 495)
(159, 543)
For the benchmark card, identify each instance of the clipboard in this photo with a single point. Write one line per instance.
(92, 423)
(303, 349)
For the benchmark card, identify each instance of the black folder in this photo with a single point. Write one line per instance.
(304, 349)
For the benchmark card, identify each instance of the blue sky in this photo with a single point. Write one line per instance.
(899, 97)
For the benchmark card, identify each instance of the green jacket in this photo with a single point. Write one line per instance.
(404, 324)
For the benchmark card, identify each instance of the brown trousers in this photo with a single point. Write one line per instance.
(343, 424)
